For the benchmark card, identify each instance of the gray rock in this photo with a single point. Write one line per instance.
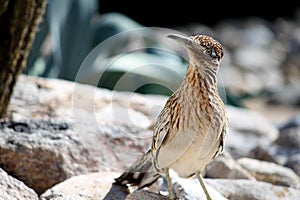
(270, 172)
(72, 129)
(290, 133)
(248, 129)
(282, 154)
(237, 85)
(260, 53)
(264, 59)
(145, 195)
(257, 32)
(190, 188)
(42, 153)
(12, 188)
(287, 145)
(294, 122)
(115, 146)
(100, 186)
(224, 166)
(229, 34)
(261, 153)
(237, 189)
(70, 136)
(88, 186)
(288, 95)
(294, 163)
(115, 126)
(116, 113)
(45, 99)
(289, 138)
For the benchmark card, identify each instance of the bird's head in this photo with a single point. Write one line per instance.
(202, 49)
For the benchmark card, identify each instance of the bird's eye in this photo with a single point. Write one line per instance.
(211, 53)
(207, 51)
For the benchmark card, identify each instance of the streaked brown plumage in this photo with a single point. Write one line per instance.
(191, 128)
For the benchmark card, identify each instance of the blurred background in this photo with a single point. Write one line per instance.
(260, 70)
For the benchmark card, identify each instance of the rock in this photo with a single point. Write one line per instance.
(100, 186)
(289, 134)
(262, 73)
(250, 126)
(115, 146)
(88, 186)
(12, 188)
(289, 138)
(42, 153)
(224, 166)
(235, 86)
(270, 172)
(46, 99)
(70, 136)
(119, 114)
(190, 188)
(107, 123)
(261, 153)
(145, 195)
(257, 32)
(68, 129)
(294, 122)
(244, 58)
(289, 95)
(287, 144)
(294, 163)
(237, 189)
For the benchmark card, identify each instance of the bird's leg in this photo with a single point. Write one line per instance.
(198, 174)
(169, 183)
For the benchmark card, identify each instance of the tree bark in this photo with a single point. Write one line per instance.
(19, 20)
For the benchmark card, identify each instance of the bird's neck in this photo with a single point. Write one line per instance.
(201, 78)
(198, 95)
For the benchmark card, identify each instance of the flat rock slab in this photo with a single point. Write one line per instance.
(270, 172)
(248, 130)
(252, 190)
(11, 188)
(224, 166)
(89, 186)
(100, 186)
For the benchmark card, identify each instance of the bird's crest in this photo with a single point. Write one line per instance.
(209, 43)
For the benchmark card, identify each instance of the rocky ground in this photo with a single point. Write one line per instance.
(62, 140)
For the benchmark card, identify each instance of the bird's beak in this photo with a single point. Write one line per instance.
(185, 41)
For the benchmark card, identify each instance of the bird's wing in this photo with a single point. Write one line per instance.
(165, 130)
(223, 134)
(162, 127)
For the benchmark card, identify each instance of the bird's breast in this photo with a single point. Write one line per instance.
(189, 151)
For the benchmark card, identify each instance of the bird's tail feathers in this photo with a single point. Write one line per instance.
(142, 173)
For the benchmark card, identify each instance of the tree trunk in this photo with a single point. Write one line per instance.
(19, 20)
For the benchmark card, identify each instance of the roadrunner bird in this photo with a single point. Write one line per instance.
(191, 129)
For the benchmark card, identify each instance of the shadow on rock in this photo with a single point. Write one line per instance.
(117, 192)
